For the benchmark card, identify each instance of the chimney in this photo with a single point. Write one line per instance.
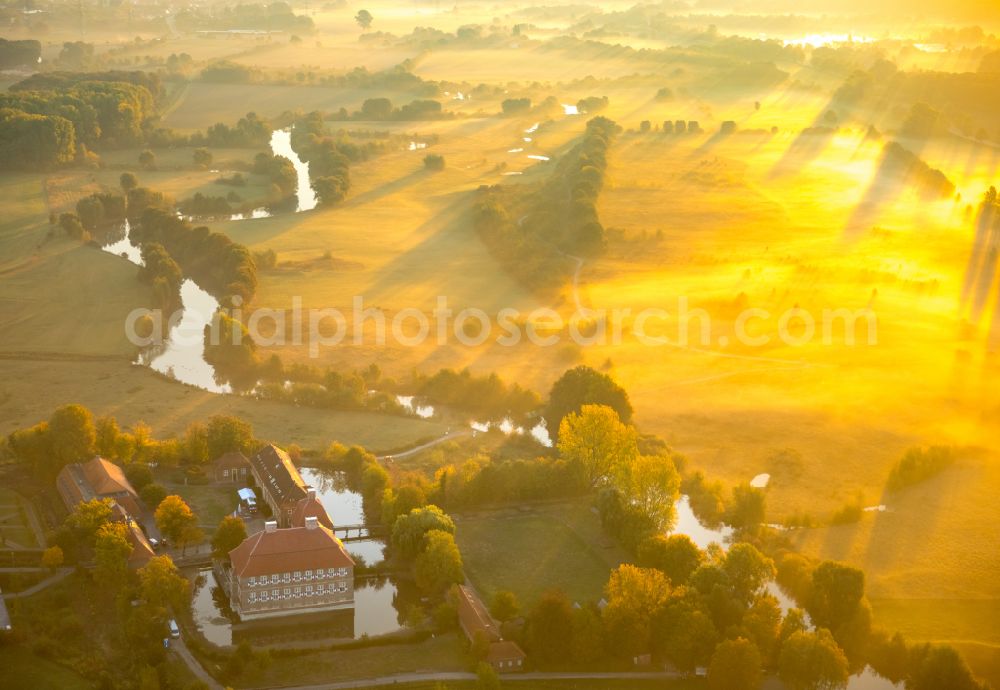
(311, 492)
(312, 522)
(270, 526)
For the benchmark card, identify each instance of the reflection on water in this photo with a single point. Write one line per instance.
(281, 145)
(869, 680)
(182, 354)
(380, 607)
(345, 507)
(208, 602)
(687, 523)
(123, 246)
(422, 411)
(539, 432)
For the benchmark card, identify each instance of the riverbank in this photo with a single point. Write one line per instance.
(134, 393)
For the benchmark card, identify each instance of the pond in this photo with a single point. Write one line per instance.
(181, 355)
(539, 432)
(380, 605)
(380, 602)
(345, 507)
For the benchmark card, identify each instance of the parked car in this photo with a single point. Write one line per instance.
(175, 632)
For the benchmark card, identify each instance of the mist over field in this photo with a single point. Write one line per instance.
(590, 344)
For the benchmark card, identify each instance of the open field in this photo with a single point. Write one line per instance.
(133, 393)
(770, 217)
(41, 311)
(558, 546)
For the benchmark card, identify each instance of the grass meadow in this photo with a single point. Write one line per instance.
(529, 552)
(767, 218)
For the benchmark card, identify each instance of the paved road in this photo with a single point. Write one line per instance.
(459, 676)
(56, 577)
(181, 650)
(412, 451)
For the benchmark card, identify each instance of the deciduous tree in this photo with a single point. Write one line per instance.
(735, 666)
(812, 661)
(676, 556)
(230, 533)
(581, 386)
(439, 565)
(597, 443)
(111, 551)
(162, 585)
(176, 521)
(409, 530)
(73, 435)
(504, 605)
(748, 570)
(550, 627)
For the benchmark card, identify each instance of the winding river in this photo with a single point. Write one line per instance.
(181, 355)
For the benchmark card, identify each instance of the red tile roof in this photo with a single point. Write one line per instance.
(278, 475)
(473, 616)
(142, 551)
(106, 477)
(97, 478)
(231, 460)
(310, 506)
(505, 650)
(288, 550)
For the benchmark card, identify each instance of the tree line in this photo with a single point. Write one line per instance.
(220, 266)
(52, 119)
(532, 232)
(19, 53)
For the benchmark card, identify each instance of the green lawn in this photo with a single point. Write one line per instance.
(533, 552)
(22, 670)
(210, 502)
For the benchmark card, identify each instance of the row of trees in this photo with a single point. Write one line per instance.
(485, 397)
(19, 53)
(72, 434)
(382, 109)
(914, 170)
(215, 262)
(51, 119)
(101, 112)
(554, 221)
